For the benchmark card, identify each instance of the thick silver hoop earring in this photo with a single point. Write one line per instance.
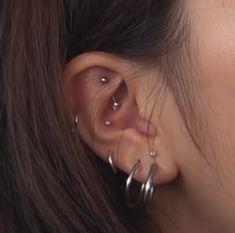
(147, 189)
(110, 160)
(135, 203)
(75, 122)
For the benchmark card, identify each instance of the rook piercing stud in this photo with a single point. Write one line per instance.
(116, 104)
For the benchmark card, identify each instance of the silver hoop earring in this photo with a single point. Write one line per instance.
(110, 160)
(75, 122)
(147, 188)
(130, 203)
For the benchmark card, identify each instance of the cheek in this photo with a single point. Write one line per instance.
(213, 36)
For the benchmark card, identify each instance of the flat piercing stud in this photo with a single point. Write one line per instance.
(104, 80)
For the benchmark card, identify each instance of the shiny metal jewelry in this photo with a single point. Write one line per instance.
(130, 203)
(147, 188)
(110, 160)
(75, 122)
(104, 80)
(153, 154)
(115, 104)
(108, 123)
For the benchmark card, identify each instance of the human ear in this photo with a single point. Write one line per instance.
(104, 92)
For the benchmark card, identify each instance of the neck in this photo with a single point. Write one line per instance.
(177, 216)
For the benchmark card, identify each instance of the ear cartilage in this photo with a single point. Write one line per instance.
(108, 123)
(104, 80)
(115, 104)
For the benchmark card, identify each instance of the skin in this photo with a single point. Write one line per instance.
(196, 189)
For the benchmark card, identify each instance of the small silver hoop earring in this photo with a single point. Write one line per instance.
(110, 160)
(130, 203)
(76, 123)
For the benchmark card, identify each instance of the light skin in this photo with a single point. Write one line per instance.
(196, 191)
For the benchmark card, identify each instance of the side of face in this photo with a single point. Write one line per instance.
(203, 175)
(210, 175)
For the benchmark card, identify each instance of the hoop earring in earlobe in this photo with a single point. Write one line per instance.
(110, 160)
(147, 188)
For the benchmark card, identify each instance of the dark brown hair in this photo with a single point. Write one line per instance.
(48, 180)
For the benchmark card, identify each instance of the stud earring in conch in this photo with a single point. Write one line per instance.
(108, 123)
(153, 154)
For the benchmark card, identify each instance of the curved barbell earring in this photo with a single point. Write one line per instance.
(147, 188)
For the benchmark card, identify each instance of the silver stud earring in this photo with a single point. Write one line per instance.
(108, 123)
(115, 104)
(110, 160)
(104, 80)
(153, 154)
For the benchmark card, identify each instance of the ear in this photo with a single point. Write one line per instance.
(109, 96)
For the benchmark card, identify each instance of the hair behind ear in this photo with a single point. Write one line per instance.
(48, 181)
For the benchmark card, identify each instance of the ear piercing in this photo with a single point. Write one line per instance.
(108, 123)
(110, 160)
(104, 80)
(76, 122)
(153, 154)
(147, 188)
(115, 104)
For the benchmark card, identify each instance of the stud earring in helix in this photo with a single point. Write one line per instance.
(115, 104)
(104, 80)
